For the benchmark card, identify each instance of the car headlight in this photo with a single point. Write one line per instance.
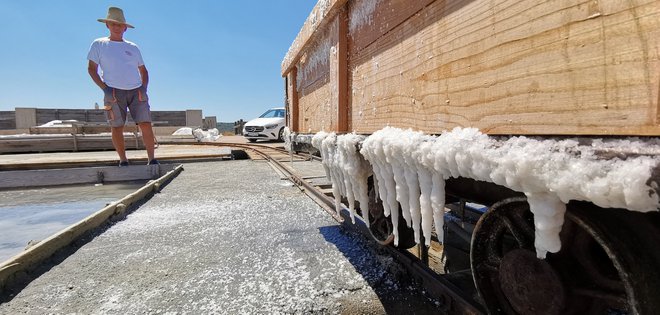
(270, 126)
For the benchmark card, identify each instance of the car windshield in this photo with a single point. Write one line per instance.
(273, 113)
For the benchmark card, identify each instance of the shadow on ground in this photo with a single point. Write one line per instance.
(396, 290)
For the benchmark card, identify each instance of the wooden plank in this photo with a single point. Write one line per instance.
(81, 129)
(59, 143)
(369, 20)
(7, 120)
(53, 130)
(293, 100)
(169, 118)
(317, 109)
(313, 72)
(45, 115)
(322, 14)
(511, 67)
(89, 175)
(503, 66)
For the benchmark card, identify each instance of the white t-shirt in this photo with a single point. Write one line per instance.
(119, 62)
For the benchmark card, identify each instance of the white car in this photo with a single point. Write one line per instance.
(269, 126)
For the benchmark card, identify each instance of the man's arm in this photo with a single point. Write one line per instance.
(93, 70)
(145, 76)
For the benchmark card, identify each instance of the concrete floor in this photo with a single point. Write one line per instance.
(227, 237)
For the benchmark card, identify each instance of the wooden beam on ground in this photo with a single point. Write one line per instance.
(88, 175)
(64, 142)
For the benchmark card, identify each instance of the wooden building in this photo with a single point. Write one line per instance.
(579, 67)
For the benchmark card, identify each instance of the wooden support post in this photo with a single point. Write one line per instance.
(293, 100)
(423, 253)
(342, 72)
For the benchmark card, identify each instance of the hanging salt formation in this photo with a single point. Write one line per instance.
(410, 170)
(346, 169)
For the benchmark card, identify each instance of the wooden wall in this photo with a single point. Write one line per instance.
(7, 120)
(44, 115)
(532, 67)
(173, 118)
(317, 108)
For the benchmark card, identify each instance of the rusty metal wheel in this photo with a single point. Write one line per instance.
(381, 227)
(607, 264)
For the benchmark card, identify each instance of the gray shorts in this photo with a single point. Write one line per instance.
(118, 102)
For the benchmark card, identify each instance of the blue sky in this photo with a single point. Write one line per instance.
(222, 57)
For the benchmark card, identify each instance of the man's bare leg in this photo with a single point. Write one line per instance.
(148, 138)
(118, 142)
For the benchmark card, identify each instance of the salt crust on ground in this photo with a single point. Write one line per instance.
(201, 246)
(410, 168)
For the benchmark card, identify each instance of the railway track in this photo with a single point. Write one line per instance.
(417, 260)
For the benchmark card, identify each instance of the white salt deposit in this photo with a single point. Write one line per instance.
(347, 169)
(317, 58)
(288, 135)
(199, 134)
(59, 123)
(185, 131)
(410, 169)
(206, 135)
(361, 14)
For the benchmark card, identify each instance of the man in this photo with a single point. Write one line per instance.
(124, 79)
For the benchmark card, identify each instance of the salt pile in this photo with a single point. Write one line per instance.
(410, 169)
(199, 134)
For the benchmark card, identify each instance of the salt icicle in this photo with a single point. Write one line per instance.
(550, 172)
(402, 190)
(438, 204)
(548, 213)
(346, 166)
(329, 145)
(355, 171)
(426, 187)
(413, 200)
(317, 141)
(382, 189)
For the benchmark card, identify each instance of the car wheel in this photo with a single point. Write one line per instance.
(280, 135)
(252, 140)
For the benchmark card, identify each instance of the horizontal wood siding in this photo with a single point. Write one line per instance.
(66, 143)
(7, 120)
(169, 118)
(514, 67)
(317, 106)
(532, 67)
(45, 115)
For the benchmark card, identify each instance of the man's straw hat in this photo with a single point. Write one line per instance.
(115, 15)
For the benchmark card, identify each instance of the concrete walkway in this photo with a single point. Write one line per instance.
(225, 237)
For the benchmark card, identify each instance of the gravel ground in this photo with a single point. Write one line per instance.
(225, 237)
